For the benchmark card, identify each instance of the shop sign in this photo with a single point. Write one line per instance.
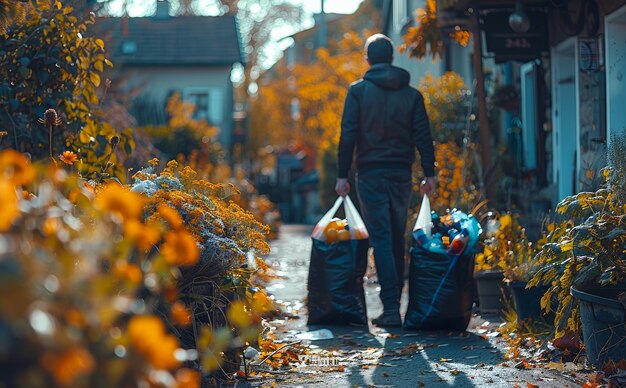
(507, 44)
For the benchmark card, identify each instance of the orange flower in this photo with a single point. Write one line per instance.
(180, 248)
(147, 335)
(127, 271)
(180, 314)
(162, 356)
(145, 332)
(144, 236)
(50, 226)
(16, 168)
(170, 215)
(120, 201)
(9, 205)
(170, 292)
(187, 378)
(68, 157)
(69, 365)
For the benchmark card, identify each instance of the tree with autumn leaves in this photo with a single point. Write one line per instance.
(48, 60)
(318, 90)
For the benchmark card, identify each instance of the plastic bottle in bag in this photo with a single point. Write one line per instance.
(458, 244)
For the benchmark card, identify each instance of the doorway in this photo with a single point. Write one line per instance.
(615, 30)
(565, 118)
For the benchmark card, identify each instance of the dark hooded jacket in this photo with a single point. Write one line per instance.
(385, 119)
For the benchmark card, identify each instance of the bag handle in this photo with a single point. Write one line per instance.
(354, 220)
(318, 231)
(424, 221)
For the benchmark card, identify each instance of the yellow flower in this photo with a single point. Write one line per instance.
(120, 201)
(68, 157)
(238, 315)
(170, 215)
(8, 205)
(505, 221)
(180, 248)
(16, 168)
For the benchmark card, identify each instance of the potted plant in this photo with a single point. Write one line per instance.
(588, 277)
(523, 263)
(501, 232)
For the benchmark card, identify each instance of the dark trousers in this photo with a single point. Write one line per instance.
(384, 196)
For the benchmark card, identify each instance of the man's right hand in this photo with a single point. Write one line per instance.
(342, 187)
(428, 185)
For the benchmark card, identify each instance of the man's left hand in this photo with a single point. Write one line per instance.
(342, 187)
(429, 186)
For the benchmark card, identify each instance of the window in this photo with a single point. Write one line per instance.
(129, 47)
(209, 103)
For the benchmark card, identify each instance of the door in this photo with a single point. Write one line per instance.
(615, 27)
(530, 98)
(564, 118)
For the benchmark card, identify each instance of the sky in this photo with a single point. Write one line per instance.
(138, 8)
(145, 7)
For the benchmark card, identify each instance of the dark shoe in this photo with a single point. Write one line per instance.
(388, 320)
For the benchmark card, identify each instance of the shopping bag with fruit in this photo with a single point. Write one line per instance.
(331, 229)
(338, 263)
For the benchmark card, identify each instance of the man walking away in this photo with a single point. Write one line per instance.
(384, 119)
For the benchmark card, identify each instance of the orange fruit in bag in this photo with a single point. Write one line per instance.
(343, 235)
(331, 235)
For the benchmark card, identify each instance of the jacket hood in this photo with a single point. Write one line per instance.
(388, 76)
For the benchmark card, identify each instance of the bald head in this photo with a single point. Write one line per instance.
(379, 49)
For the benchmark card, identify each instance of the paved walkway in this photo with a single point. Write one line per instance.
(380, 358)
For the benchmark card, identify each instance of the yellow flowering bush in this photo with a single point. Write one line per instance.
(506, 248)
(90, 309)
(446, 99)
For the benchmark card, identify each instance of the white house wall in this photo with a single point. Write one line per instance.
(159, 82)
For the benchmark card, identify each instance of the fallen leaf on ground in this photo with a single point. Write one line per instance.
(445, 359)
(562, 367)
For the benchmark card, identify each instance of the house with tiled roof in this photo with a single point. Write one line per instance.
(160, 55)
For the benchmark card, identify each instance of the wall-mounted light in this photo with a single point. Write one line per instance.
(518, 20)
